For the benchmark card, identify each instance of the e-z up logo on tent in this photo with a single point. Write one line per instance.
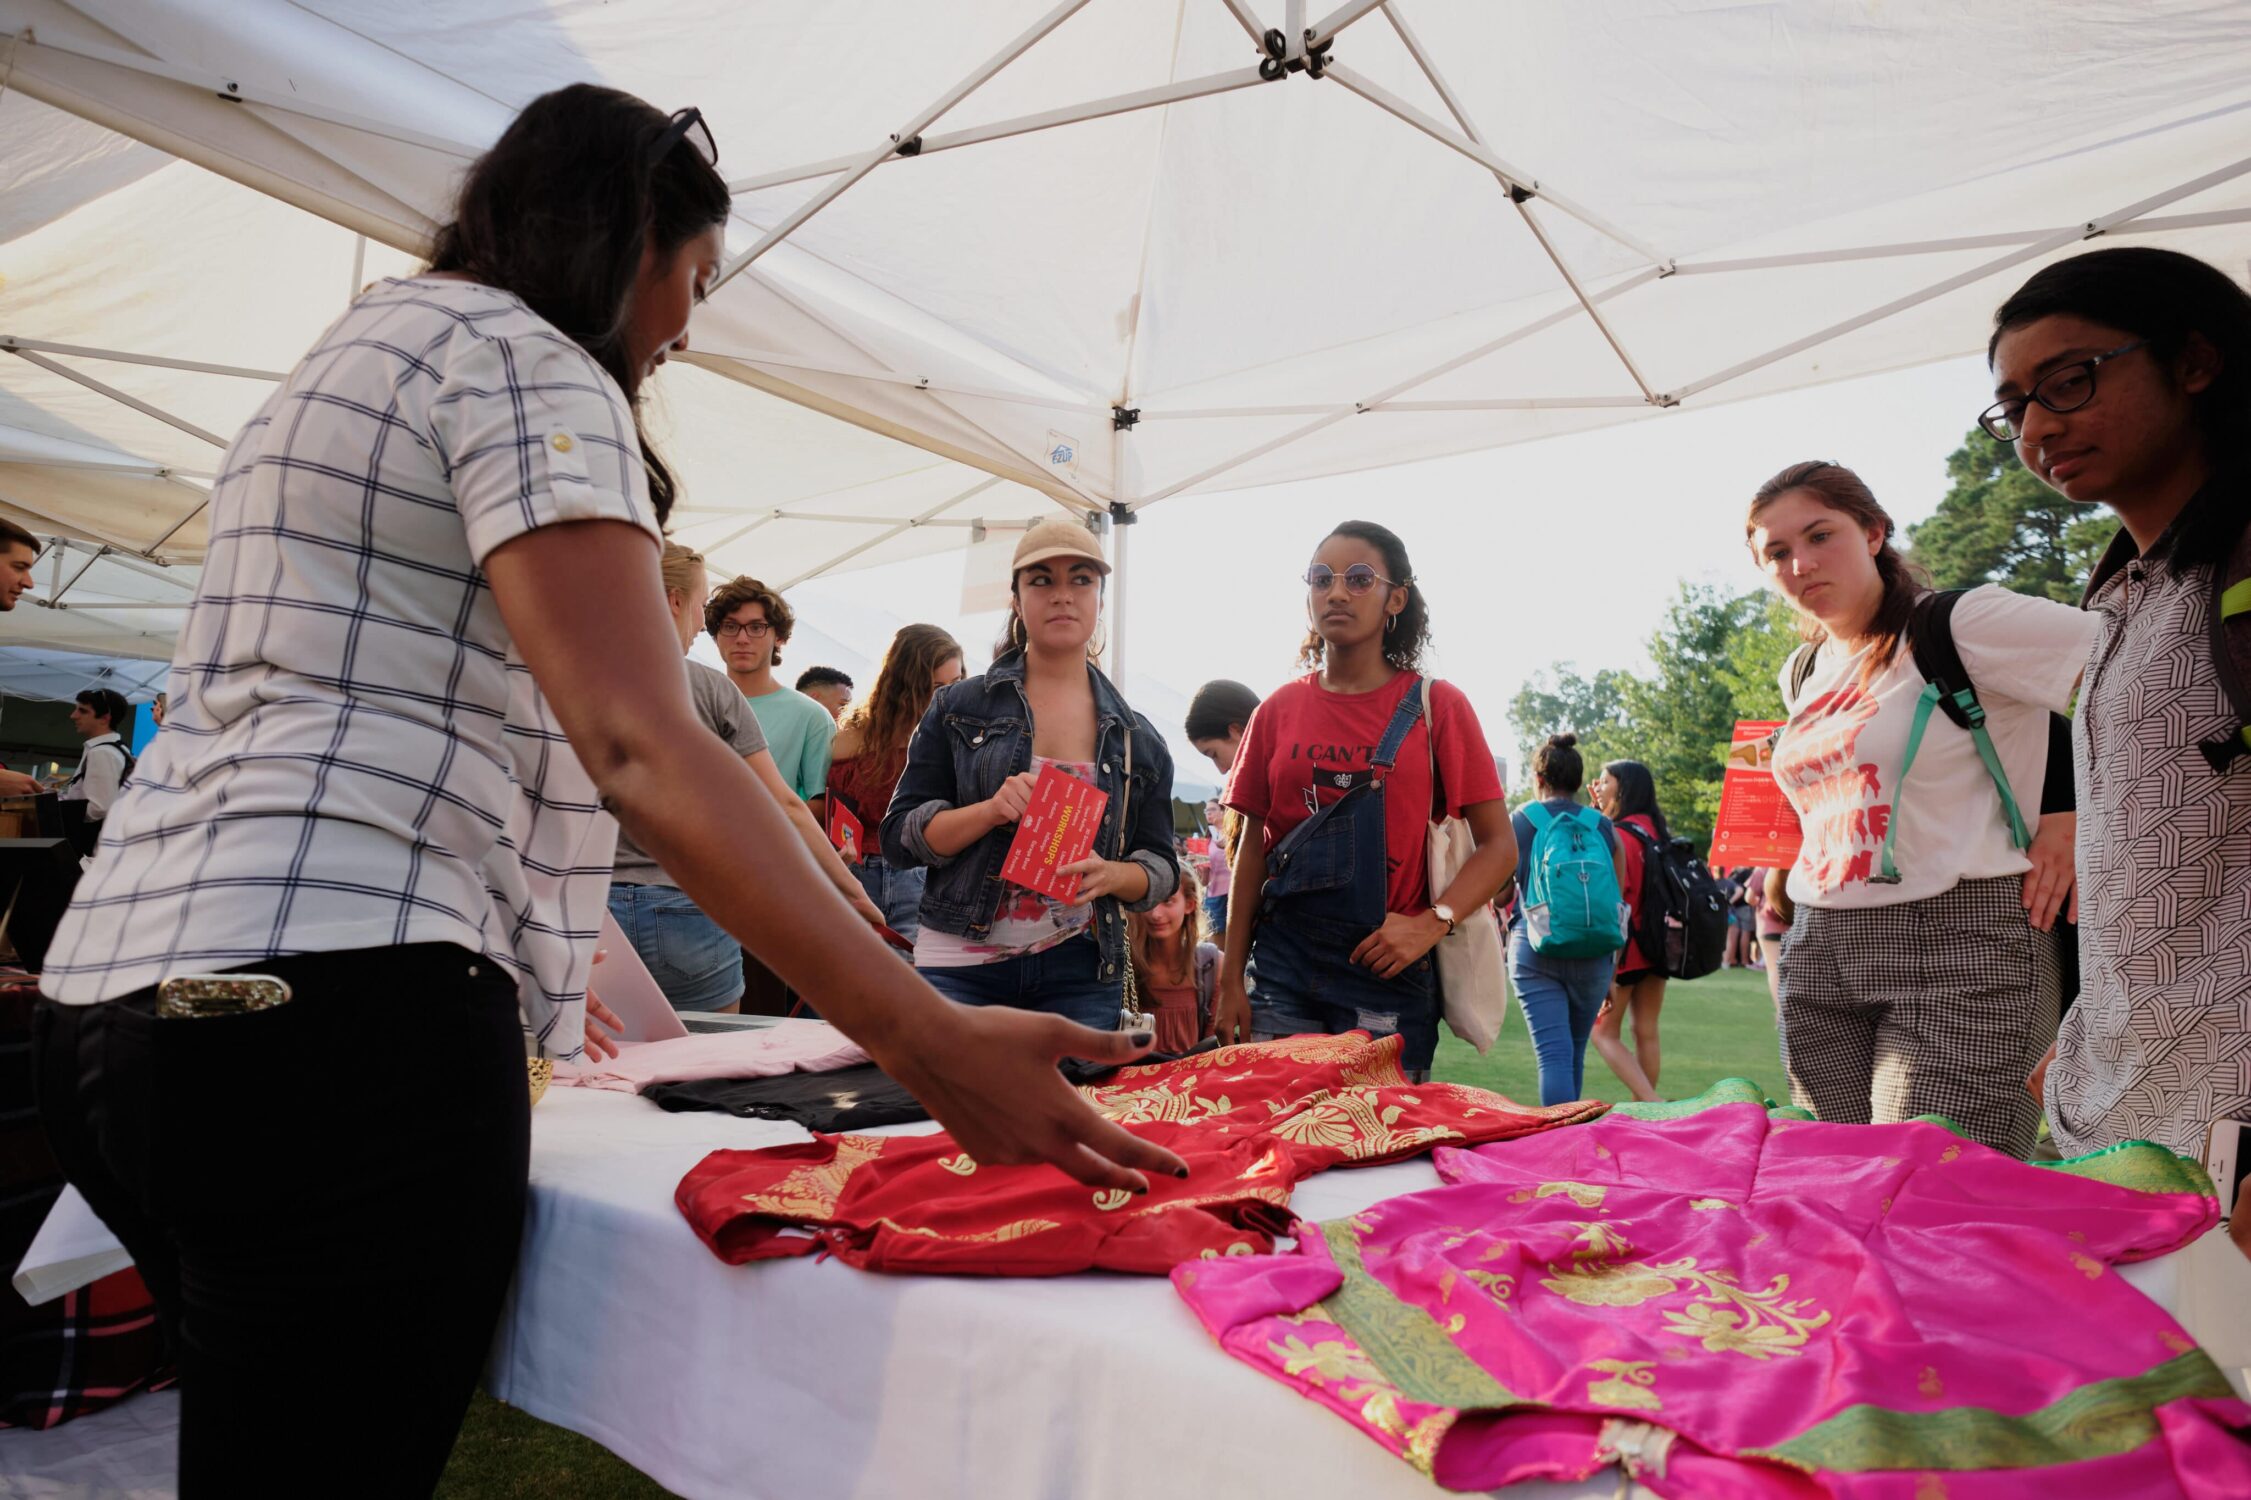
(1062, 452)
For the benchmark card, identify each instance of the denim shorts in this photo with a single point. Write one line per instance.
(1065, 981)
(691, 957)
(896, 893)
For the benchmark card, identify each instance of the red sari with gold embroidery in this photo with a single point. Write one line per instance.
(1250, 1121)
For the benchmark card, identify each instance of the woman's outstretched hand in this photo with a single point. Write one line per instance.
(987, 1073)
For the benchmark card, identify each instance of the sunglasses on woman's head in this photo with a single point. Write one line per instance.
(687, 124)
(1358, 579)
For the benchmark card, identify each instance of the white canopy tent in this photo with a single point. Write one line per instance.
(1094, 254)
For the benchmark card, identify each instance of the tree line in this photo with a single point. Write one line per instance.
(1717, 656)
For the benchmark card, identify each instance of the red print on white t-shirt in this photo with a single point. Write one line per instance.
(1840, 799)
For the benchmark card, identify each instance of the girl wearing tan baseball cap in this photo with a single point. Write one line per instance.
(971, 770)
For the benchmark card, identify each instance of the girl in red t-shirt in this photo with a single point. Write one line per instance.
(1627, 795)
(1333, 782)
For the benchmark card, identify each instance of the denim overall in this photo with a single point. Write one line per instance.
(1325, 891)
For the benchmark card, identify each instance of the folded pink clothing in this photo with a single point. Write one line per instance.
(754, 1052)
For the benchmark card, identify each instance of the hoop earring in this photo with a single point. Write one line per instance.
(1390, 623)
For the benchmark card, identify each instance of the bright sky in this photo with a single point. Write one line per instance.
(1562, 550)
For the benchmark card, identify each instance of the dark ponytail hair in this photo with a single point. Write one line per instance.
(1557, 765)
(2165, 297)
(1219, 708)
(1405, 635)
(559, 210)
(1841, 490)
(1637, 794)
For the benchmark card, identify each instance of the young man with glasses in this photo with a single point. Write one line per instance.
(751, 623)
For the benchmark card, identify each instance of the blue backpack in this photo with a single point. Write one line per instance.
(1571, 899)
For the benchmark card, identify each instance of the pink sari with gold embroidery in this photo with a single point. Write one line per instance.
(1733, 1304)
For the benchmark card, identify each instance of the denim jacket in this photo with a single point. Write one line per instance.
(977, 734)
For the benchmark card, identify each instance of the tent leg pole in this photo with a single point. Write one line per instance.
(1121, 535)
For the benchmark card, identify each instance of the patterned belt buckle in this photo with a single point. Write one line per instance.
(197, 997)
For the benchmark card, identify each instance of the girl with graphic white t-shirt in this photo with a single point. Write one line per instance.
(1920, 976)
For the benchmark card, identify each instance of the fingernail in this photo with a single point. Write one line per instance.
(1143, 1188)
(1180, 1172)
(1141, 1038)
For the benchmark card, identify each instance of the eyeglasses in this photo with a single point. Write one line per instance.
(2065, 388)
(687, 124)
(1358, 579)
(757, 630)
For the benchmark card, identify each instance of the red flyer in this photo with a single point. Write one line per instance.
(1057, 829)
(1757, 825)
(845, 832)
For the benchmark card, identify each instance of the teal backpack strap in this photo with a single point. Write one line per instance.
(1539, 817)
(1930, 634)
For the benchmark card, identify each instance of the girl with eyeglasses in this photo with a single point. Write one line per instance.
(972, 767)
(1333, 782)
(2124, 379)
(867, 757)
(429, 648)
(1920, 975)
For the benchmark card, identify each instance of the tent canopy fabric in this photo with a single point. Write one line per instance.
(990, 260)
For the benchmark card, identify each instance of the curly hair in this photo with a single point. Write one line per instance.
(741, 590)
(1409, 631)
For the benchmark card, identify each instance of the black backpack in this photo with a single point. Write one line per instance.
(1680, 916)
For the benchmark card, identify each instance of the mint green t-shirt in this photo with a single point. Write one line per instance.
(798, 732)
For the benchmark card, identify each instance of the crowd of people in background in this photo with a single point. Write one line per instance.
(424, 865)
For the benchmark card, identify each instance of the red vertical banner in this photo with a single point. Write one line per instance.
(1757, 825)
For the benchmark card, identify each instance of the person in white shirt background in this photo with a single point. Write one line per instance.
(1920, 976)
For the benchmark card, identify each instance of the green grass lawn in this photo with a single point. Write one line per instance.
(1721, 1026)
(1718, 1027)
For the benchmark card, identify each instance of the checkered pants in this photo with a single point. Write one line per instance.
(1934, 1007)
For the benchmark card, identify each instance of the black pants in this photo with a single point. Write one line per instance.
(325, 1198)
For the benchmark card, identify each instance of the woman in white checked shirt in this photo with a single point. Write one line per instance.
(430, 646)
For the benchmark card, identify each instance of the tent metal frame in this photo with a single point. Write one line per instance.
(1296, 46)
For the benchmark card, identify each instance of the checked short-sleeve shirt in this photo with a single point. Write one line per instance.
(355, 755)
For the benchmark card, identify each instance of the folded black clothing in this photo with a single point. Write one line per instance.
(848, 1099)
(1079, 1071)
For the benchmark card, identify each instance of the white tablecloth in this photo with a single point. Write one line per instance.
(809, 1379)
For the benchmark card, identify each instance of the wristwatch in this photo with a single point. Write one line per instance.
(1444, 913)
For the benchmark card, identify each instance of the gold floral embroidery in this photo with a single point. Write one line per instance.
(1601, 1239)
(1174, 1102)
(1585, 1194)
(811, 1192)
(1620, 1283)
(1930, 1487)
(1499, 1285)
(1321, 1125)
(2086, 1265)
(1112, 1198)
(2176, 1342)
(2076, 1236)
(1709, 1205)
(1731, 1319)
(1949, 1154)
(1016, 1231)
(1448, 1279)
(1929, 1383)
(1627, 1386)
(1329, 1360)
(1456, 1323)
(1420, 1441)
(1602, 1151)
(960, 1166)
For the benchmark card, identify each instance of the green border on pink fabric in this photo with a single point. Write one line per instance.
(2101, 1420)
(1405, 1342)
